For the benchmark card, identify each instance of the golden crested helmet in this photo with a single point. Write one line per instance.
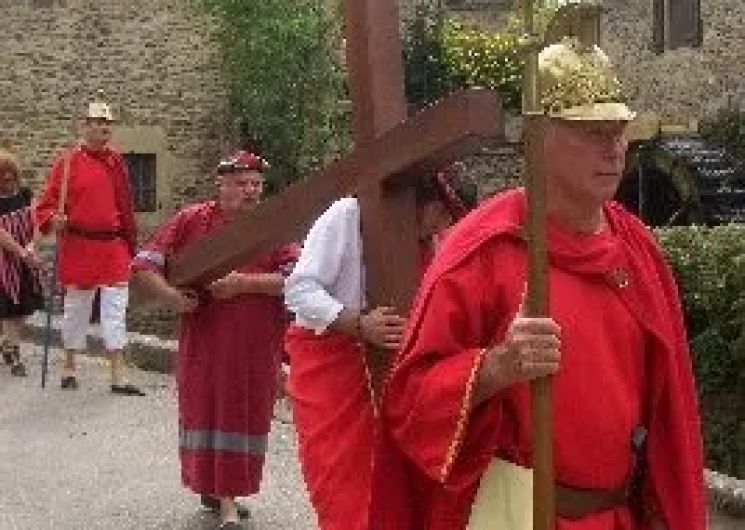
(578, 83)
(98, 109)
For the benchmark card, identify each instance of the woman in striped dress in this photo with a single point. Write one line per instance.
(20, 287)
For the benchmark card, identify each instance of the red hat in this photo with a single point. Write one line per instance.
(241, 161)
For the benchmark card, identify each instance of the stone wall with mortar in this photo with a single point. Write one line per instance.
(158, 66)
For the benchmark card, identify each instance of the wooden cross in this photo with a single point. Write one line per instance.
(389, 149)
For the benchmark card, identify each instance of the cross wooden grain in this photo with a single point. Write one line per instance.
(389, 149)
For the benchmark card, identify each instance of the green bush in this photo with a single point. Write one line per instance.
(726, 128)
(285, 80)
(710, 268)
(442, 54)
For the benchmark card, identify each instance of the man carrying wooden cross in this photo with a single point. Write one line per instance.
(330, 381)
(628, 453)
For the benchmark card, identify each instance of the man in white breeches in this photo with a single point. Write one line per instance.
(88, 202)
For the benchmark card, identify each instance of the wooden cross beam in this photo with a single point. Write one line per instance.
(443, 132)
(389, 148)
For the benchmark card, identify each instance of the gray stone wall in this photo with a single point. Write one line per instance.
(683, 84)
(154, 60)
(159, 68)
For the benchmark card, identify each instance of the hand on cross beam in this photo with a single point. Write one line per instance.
(382, 327)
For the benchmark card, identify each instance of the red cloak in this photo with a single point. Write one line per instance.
(439, 447)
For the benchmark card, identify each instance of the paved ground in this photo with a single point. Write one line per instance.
(87, 460)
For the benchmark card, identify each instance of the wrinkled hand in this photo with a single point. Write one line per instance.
(530, 350)
(228, 286)
(182, 300)
(382, 327)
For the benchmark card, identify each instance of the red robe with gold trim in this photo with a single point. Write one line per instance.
(98, 199)
(624, 363)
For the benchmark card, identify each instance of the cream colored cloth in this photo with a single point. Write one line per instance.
(77, 314)
(504, 500)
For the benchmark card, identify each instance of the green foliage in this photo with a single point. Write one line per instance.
(285, 82)
(726, 128)
(710, 267)
(427, 74)
(481, 58)
(442, 54)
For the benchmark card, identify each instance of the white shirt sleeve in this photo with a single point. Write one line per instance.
(325, 253)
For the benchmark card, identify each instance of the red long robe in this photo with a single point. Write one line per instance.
(624, 362)
(336, 421)
(228, 361)
(98, 199)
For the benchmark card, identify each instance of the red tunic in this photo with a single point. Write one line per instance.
(229, 352)
(98, 199)
(624, 363)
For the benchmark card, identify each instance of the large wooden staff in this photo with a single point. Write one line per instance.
(544, 502)
(580, 19)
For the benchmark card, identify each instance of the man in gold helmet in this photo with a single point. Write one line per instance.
(627, 447)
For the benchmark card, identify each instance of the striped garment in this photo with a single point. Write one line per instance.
(20, 225)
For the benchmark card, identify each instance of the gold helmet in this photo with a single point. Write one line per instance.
(98, 109)
(578, 83)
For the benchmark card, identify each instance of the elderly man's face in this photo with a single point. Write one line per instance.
(585, 159)
(237, 191)
(96, 131)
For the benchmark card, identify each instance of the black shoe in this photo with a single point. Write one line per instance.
(69, 382)
(127, 390)
(18, 370)
(213, 504)
(8, 358)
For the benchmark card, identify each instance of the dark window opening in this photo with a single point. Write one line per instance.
(142, 177)
(676, 24)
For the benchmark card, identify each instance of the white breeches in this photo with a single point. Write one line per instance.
(77, 314)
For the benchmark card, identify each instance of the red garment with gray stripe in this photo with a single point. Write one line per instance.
(229, 353)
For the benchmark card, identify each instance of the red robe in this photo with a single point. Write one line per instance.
(98, 199)
(624, 362)
(228, 361)
(336, 421)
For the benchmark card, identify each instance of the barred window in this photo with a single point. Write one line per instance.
(676, 24)
(142, 177)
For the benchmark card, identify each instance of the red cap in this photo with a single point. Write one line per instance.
(241, 161)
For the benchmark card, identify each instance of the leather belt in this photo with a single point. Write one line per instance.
(98, 235)
(573, 503)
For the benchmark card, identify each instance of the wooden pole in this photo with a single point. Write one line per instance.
(544, 502)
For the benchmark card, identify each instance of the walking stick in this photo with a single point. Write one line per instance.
(55, 259)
